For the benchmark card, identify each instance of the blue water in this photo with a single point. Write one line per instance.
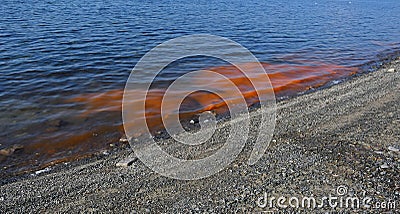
(52, 49)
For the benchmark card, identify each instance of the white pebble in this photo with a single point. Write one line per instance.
(42, 170)
(393, 149)
(127, 161)
(123, 139)
(385, 166)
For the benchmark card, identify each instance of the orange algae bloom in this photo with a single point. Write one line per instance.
(286, 79)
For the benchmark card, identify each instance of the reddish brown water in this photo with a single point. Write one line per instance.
(63, 144)
(287, 80)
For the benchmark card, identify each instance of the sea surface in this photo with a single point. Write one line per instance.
(64, 64)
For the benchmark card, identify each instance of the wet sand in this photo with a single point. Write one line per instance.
(347, 135)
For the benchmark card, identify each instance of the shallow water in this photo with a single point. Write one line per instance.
(63, 64)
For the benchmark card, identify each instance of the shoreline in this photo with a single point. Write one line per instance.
(22, 161)
(346, 134)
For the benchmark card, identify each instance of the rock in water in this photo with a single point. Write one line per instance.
(9, 151)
